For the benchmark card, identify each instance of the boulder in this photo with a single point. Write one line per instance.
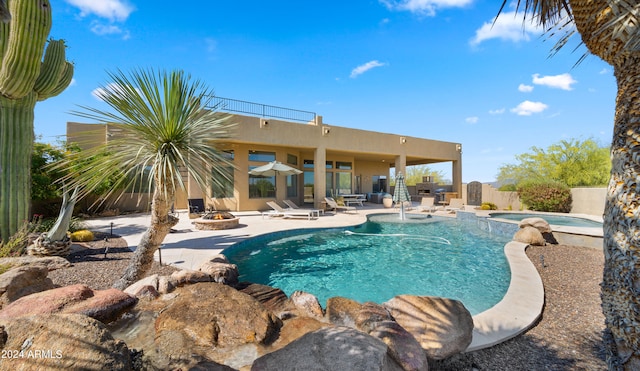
(307, 304)
(342, 311)
(23, 280)
(403, 347)
(295, 328)
(331, 348)
(537, 223)
(272, 298)
(188, 277)
(212, 315)
(166, 284)
(530, 236)
(442, 326)
(51, 262)
(369, 315)
(147, 281)
(103, 305)
(220, 270)
(62, 342)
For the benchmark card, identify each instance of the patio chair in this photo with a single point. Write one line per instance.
(279, 211)
(455, 204)
(332, 204)
(196, 206)
(427, 204)
(293, 206)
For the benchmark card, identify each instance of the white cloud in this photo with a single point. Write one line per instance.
(114, 10)
(605, 71)
(563, 81)
(365, 67)
(424, 7)
(508, 27)
(525, 88)
(112, 88)
(527, 108)
(499, 111)
(212, 44)
(472, 120)
(73, 82)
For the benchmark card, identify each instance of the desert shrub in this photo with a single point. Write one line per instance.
(17, 244)
(546, 196)
(508, 188)
(83, 235)
(488, 206)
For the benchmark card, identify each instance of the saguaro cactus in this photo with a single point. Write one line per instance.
(25, 78)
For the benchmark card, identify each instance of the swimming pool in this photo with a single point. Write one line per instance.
(380, 259)
(569, 221)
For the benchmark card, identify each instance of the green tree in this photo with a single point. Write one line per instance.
(25, 78)
(572, 162)
(415, 173)
(609, 29)
(167, 127)
(43, 179)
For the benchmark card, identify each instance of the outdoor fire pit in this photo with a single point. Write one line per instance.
(216, 220)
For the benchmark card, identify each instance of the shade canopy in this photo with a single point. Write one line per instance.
(274, 168)
(401, 193)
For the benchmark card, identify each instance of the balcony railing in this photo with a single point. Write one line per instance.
(261, 110)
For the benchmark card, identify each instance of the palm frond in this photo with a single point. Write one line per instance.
(165, 128)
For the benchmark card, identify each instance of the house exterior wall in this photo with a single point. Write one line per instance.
(370, 153)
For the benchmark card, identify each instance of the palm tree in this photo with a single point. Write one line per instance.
(164, 126)
(610, 29)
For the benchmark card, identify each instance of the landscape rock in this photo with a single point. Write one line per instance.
(442, 326)
(166, 284)
(23, 280)
(103, 305)
(342, 311)
(530, 236)
(151, 280)
(307, 304)
(272, 298)
(212, 315)
(403, 347)
(51, 262)
(62, 342)
(220, 270)
(537, 223)
(331, 348)
(295, 328)
(369, 315)
(189, 277)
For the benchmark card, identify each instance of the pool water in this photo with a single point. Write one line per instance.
(380, 259)
(568, 221)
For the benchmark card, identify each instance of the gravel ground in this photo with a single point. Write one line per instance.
(567, 337)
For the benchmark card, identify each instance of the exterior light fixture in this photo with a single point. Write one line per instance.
(403, 140)
(326, 130)
(459, 148)
(263, 123)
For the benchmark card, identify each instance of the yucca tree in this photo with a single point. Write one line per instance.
(165, 127)
(610, 29)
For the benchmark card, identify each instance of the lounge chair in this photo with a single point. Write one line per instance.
(292, 206)
(279, 211)
(427, 204)
(332, 204)
(455, 204)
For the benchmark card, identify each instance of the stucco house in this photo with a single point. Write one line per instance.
(333, 159)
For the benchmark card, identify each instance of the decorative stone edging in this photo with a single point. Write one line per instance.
(215, 224)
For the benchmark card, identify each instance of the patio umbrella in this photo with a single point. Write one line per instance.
(401, 194)
(274, 168)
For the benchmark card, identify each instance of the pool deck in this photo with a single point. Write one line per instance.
(187, 248)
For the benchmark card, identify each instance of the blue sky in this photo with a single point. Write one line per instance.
(428, 68)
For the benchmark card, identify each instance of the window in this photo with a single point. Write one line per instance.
(262, 156)
(343, 183)
(329, 164)
(292, 159)
(343, 165)
(329, 185)
(260, 186)
(222, 183)
(307, 164)
(292, 186)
